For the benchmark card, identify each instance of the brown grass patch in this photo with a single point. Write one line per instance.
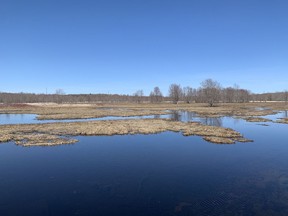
(257, 119)
(84, 111)
(283, 120)
(52, 133)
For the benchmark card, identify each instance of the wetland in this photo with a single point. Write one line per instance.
(161, 160)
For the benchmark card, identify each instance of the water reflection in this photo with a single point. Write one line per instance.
(186, 116)
(17, 118)
(157, 116)
(160, 174)
(277, 115)
(175, 116)
(212, 121)
(183, 116)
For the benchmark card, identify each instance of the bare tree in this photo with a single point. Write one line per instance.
(236, 93)
(59, 95)
(59, 92)
(229, 95)
(244, 96)
(286, 96)
(211, 91)
(188, 94)
(175, 92)
(269, 97)
(138, 95)
(156, 95)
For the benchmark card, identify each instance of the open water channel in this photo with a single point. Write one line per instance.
(159, 174)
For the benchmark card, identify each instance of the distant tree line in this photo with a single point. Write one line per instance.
(65, 98)
(210, 92)
(266, 97)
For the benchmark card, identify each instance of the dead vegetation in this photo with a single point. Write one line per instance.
(76, 111)
(257, 119)
(283, 120)
(56, 133)
(85, 111)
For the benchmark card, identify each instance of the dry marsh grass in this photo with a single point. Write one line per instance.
(84, 111)
(283, 120)
(257, 119)
(53, 133)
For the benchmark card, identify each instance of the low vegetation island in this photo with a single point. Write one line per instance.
(47, 134)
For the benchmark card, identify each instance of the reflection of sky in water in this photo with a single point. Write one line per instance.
(183, 116)
(280, 114)
(175, 116)
(32, 118)
(159, 174)
(186, 116)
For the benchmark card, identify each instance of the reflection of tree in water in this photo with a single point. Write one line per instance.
(175, 116)
(188, 116)
(285, 114)
(184, 116)
(7, 116)
(157, 116)
(236, 121)
(212, 121)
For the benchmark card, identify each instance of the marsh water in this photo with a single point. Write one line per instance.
(32, 118)
(184, 116)
(159, 174)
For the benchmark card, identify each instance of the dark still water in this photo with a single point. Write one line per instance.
(162, 174)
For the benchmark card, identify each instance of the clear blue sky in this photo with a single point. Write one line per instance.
(120, 46)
